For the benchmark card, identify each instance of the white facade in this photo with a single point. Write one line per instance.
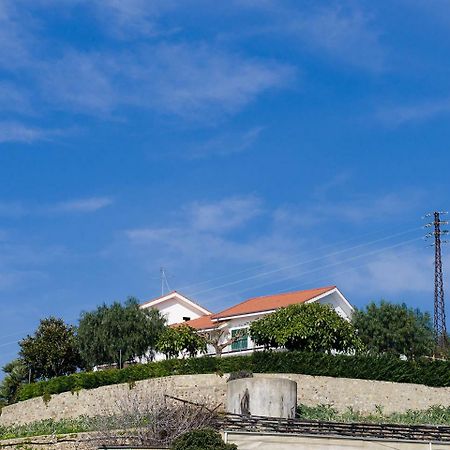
(176, 308)
(234, 324)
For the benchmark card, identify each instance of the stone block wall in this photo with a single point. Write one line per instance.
(361, 395)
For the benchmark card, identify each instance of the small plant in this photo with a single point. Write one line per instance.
(46, 397)
(203, 439)
(239, 375)
(435, 415)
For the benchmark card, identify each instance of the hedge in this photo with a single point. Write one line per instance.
(384, 368)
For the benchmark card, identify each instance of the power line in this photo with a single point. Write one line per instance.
(440, 327)
(349, 269)
(290, 266)
(8, 343)
(12, 334)
(373, 252)
(269, 263)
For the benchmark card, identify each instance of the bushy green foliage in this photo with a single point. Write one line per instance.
(435, 415)
(393, 328)
(309, 327)
(203, 439)
(52, 351)
(16, 373)
(385, 368)
(50, 426)
(183, 340)
(118, 333)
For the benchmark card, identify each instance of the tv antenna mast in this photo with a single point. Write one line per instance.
(164, 283)
(440, 328)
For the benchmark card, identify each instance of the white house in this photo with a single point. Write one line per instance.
(234, 321)
(177, 308)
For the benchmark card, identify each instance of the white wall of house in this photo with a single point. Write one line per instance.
(339, 304)
(176, 308)
(334, 299)
(175, 311)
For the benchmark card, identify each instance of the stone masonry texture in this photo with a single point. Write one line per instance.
(341, 393)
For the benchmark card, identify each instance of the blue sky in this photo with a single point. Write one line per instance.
(249, 147)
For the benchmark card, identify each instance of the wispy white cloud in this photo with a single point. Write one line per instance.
(13, 99)
(398, 115)
(342, 32)
(393, 273)
(356, 210)
(224, 215)
(190, 80)
(84, 205)
(24, 263)
(15, 37)
(186, 80)
(300, 259)
(81, 205)
(225, 144)
(205, 218)
(20, 132)
(201, 233)
(131, 18)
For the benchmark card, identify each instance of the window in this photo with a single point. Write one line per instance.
(242, 342)
(186, 319)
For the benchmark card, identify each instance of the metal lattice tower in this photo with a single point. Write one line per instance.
(440, 327)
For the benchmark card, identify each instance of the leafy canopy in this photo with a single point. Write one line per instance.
(202, 439)
(52, 350)
(183, 340)
(119, 333)
(393, 328)
(16, 373)
(311, 327)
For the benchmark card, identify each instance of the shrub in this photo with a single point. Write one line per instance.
(393, 328)
(435, 415)
(366, 367)
(204, 439)
(310, 327)
(181, 339)
(239, 375)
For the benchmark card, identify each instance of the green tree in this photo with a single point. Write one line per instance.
(118, 333)
(16, 373)
(52, 350)
(202, 439)
(181, 339)
(311, 327)
(393, 328)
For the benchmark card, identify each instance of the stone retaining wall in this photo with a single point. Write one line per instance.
(79, 441)
(361, 395)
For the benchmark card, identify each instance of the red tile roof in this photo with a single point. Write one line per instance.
(202, 323)
(271, 302)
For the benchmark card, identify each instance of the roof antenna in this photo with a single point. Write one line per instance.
(164, 282)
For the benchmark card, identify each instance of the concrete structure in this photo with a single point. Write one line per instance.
(272, 397)
(279, 441)
(341, 393)
(229, 327)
